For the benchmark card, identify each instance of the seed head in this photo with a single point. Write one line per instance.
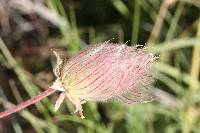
(104, 72)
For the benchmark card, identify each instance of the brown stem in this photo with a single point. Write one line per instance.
(27, 103)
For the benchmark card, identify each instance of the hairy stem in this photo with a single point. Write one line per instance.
(27, 103)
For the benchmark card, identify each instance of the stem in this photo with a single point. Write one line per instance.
(27, 103)
(159, 21)
(136, 22)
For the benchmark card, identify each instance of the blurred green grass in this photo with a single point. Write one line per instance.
(27, 38)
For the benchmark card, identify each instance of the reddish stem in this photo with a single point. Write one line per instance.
(27, 103)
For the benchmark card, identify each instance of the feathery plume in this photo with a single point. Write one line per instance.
(104, 72)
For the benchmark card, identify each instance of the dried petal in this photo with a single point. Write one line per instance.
(60, 100)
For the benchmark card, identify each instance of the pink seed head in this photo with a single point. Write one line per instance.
(106, 71)
(103, 72)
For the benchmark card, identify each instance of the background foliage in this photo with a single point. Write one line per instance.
(29, 28)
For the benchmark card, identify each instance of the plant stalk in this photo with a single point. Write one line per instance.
(27, 103)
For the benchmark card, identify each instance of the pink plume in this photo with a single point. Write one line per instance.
(107, 71)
